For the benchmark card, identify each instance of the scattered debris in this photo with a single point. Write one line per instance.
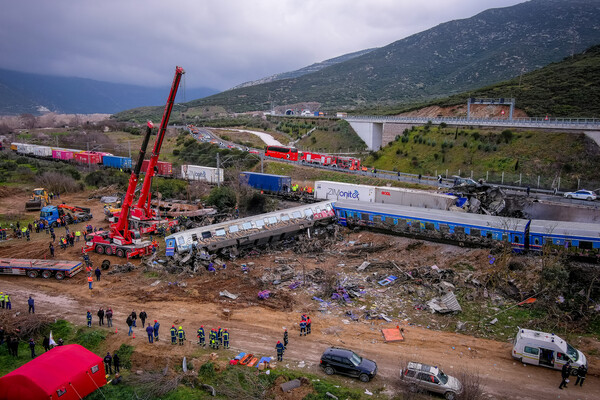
(444, 305)
(287, 386)
(226, 293)
(363, 266)
(331, 395)
(387, 280)
(493, 322)
(393, 334)
(264, 294)
(210, 389)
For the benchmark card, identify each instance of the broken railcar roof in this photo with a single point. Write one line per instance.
(431, 215)
(250, 226)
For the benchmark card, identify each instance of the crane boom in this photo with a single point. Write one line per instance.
(121, 227)
(143, 202)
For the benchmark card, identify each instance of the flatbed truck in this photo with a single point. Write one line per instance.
(36, 267)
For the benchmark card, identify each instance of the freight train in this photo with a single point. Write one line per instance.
(292, 154)
(107, 160)
(572, 238)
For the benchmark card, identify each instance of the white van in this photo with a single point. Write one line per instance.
(546, 349)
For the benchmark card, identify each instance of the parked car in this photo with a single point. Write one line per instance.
(582, 195)
(336, 360)
(430, 378)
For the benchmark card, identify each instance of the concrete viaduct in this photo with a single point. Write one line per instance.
(370, 128)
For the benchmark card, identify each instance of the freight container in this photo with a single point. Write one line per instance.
(88, 157)
(413, 198)
(62, 154)
(42, 151)
(110, 161)
(327, 190)
(163, 168)
(272, 183)
(200, 173)
(24, 148)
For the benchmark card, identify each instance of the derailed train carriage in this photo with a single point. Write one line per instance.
(229, 236)
(574, 238)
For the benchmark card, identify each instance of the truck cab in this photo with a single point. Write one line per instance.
(546, 349)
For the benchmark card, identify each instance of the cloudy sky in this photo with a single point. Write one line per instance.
(220, 43)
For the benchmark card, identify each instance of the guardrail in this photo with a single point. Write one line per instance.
(566, 123)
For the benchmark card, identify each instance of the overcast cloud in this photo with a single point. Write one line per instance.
(220, 43)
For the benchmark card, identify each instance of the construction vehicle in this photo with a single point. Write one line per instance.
(44, 268)
(121, 240)
(39, 198)
(70, 214)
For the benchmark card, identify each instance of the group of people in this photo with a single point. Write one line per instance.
(101, 315)
(5, 301)
(567, 371)
(12, 343)
(217, 337)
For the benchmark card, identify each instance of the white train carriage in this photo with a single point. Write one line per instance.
(250, 231)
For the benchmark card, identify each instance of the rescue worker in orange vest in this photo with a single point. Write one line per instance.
(90, 281)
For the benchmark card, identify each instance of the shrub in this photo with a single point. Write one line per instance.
(222, 198)
(507, 135)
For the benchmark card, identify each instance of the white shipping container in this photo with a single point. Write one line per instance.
(328, 190)
(24, 148)
(413, 198)
(200, 173)
(42, 151)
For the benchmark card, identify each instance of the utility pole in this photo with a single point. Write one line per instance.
(262, 169)
(129, 145)
(218, 162)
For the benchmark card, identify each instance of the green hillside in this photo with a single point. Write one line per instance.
(489, 153)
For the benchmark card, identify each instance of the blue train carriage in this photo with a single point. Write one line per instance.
(575, 238)
(454, 227)
(229, 236)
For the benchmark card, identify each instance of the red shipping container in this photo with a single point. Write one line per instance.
(86, 157)
(163, 168)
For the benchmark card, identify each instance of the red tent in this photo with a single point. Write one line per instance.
(64, 373)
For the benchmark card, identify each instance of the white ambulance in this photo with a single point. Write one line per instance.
(546, 349)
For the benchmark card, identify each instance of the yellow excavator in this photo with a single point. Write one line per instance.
(39, 198)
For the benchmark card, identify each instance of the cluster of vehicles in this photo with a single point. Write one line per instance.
(292, 154)
(529, 347)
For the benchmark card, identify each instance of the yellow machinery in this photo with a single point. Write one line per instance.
(39, 198)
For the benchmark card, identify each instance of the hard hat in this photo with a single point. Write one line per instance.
(180, 327)
(155, 321)
(278, 342)
(172, 326)
(201, 326)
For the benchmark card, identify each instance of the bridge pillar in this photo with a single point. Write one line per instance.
(370, 132)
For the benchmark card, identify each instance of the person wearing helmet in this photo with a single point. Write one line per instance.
(201, 336)
(279, 347)
(225, 338)
(173, 335)
(89, 319)
(181, 335)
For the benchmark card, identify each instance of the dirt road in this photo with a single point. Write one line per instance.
(256, 328)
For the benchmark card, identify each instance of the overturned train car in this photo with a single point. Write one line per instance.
(229, 236)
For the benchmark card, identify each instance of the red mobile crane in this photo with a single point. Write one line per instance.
(121, 240)
(143, 211)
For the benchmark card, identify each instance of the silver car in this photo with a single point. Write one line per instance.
(581, 195)
(423, 376)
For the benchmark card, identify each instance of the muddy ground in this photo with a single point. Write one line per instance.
(256, 325)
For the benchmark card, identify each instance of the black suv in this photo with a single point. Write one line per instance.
(346, 362)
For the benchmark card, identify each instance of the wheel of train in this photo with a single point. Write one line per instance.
(46, 274)
(60, 275)
(32, 274)
(99, 249)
